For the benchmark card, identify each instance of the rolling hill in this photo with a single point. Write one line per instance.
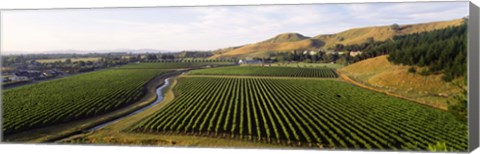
(295, 41)
(286, 37)
(381, 75)
(281, 42)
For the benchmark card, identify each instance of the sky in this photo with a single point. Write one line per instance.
(200, 28)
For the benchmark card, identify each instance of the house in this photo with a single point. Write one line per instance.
(355, 53)
(5, 79)
(19, 78)
(310, 52)
(28, 73)
(330, 52)
(54, 72)
(242, 61)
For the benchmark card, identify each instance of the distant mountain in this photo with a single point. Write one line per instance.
(295, 41)
(70, 51)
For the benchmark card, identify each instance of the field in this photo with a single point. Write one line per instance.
(93, 59)
(171, 65)
(268, 71)
(72, 98)
(300, 65)
(252, 106)
(309, 65)
(301, 112)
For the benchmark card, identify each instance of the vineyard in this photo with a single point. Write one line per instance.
(194, 60)
(172, 65)
(299, 112)
(268, 71)
(72, 98)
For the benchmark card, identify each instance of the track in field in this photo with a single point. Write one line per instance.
(268, 71)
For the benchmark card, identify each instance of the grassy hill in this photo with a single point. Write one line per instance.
(262, 49)
(282, 42)
(381, 33)
(378, 73)
(286, 37)
(295, 41)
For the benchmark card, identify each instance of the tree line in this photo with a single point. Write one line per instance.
(440, 51)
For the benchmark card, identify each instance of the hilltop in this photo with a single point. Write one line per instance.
(286, 37)
(296, 41)
(281, 42)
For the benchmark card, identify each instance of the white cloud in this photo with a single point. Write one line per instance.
(202, 27)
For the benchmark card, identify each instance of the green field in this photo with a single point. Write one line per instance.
(71, 98)
(268, 71)
(309, 65)
(301, 112)
(171, 65)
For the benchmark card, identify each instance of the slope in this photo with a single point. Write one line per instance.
(382, 33)
(381, 75)
(295, 41)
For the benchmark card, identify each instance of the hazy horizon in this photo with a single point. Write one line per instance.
(200, 28)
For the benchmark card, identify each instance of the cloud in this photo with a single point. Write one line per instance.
(203, 28)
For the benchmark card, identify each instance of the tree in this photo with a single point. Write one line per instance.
(339, 47)
(412, 70)
(395, 27)
(68, 61)
(81, 62)
(458, 105)
(421, 62)
(442, 51)
(370, 40)
(280, 58)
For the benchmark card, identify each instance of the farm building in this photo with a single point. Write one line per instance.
(310, 52)
(19, 78)
(5, 79)
(28, 73)
(355, 53)
(243, 61)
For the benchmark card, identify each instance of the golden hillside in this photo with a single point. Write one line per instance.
(295, 41)
(262, 48)
(382, 33)
(380, 74)
(286, 37)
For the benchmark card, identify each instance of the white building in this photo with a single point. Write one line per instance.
(19, 78)
(355, 53)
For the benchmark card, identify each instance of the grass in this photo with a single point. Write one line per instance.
(261, 49)
(309, 65)
(170, 65)
(380, 74)
(267, 71)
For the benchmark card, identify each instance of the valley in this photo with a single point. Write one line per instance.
(371, 88)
